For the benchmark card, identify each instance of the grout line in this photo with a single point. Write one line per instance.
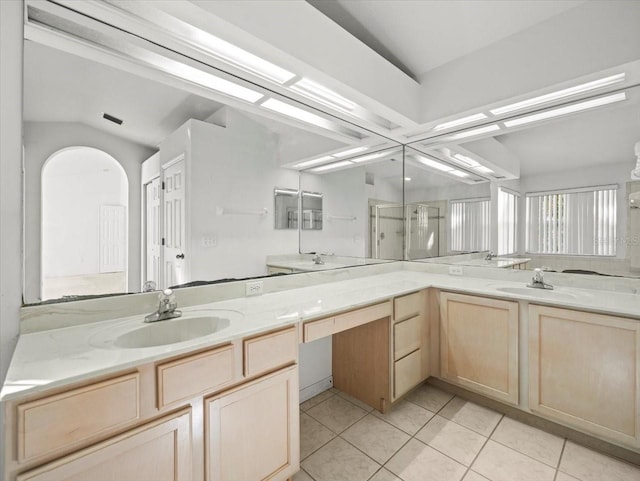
(560, 459)
(483, 446)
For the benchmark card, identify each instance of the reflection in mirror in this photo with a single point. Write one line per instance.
(362, 209)
(311, 210)
(285, 208)
(217, 159)
(550, 191)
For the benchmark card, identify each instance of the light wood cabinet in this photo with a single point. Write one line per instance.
(386, 354)
(158, 451)
(252, 432)
(479, 344)
(584, 371)
(332, 325)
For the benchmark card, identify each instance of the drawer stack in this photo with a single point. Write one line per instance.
(410, 334)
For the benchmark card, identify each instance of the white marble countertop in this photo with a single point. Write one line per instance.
(502, 262)
(47, 359)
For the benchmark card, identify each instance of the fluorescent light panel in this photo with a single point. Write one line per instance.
(472, 132)
(560, 94)
(569, 109)
(308, 163)
(459, 173)
(462, 121)
(295, 112)
(344, 153)
(366, 158)
(468, 161)
(242, 59)
(335, 165)
(323, 95)
(483, 169)
(433, 163)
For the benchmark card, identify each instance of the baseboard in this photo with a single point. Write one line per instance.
(316, 388)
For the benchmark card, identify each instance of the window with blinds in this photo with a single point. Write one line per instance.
(573, 222)
(507, 222)
(470, 225)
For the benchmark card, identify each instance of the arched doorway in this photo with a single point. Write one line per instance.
(85, 195)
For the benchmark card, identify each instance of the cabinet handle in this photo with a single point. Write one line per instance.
(180, 256)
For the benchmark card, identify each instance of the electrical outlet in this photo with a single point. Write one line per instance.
(455, 270)
(209, 241)
(253, 288)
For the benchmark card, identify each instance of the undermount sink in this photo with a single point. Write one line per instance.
(137, 335)
(530, 291)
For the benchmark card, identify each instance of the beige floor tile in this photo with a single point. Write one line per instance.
(473, 476)
(355, 401)
(313, 435)
(429, 397)
(450, 438)
(302, 476)
(528, 440)
(315, 400)
(565, 477)
(336, 413)
(407, 416)
(376, 438)
(384, 475)
(588, 465)
(418, 462)
(339, 461)
(471, 415)
(499, 463)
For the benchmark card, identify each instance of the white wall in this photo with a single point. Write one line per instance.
(41, 140)
(11, 24)
(71, 229)
(233, 167)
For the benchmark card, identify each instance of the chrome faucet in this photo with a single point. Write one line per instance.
(490, 256)
(166, 307)
(537, 281)
(317, 259)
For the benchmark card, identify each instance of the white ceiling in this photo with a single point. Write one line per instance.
(420, 35)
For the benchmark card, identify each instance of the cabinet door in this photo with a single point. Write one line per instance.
(252, 433)
(158, 451)
(479, 344)
(584, 371)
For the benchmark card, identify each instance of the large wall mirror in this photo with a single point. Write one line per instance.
(190, 172)
(548, 189)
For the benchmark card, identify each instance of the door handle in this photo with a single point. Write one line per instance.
(180, 256)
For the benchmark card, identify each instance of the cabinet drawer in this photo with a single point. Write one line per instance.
(408, 306)
(185, 378)
(362, 316)
(406, 337)
(317, 329)
(55, 422)
(407, 374)
(264, 353)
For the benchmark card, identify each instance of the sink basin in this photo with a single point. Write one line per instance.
(139, 335)
(173, 331)
(532, 292)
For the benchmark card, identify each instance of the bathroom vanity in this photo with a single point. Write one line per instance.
(224, 406)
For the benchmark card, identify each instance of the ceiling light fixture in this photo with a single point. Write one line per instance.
(560, 94)
(295, 112)
(335, 165)
(323, 95)
(468, 161)
(344, 153)
(569, 109)
(407, 179)
(433, 163)
(472, 132)
(366, 158)
(309, 163)
(462, 121)
(240, 58)
(459, 173)
(483, 169)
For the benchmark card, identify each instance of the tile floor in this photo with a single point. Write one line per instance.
(436, 436)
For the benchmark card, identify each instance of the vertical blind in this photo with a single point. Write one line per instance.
(507, 222)
(470, 224)
(577, 221)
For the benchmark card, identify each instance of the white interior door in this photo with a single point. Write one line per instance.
(174, 226)
(152, 231)
(113, 238)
